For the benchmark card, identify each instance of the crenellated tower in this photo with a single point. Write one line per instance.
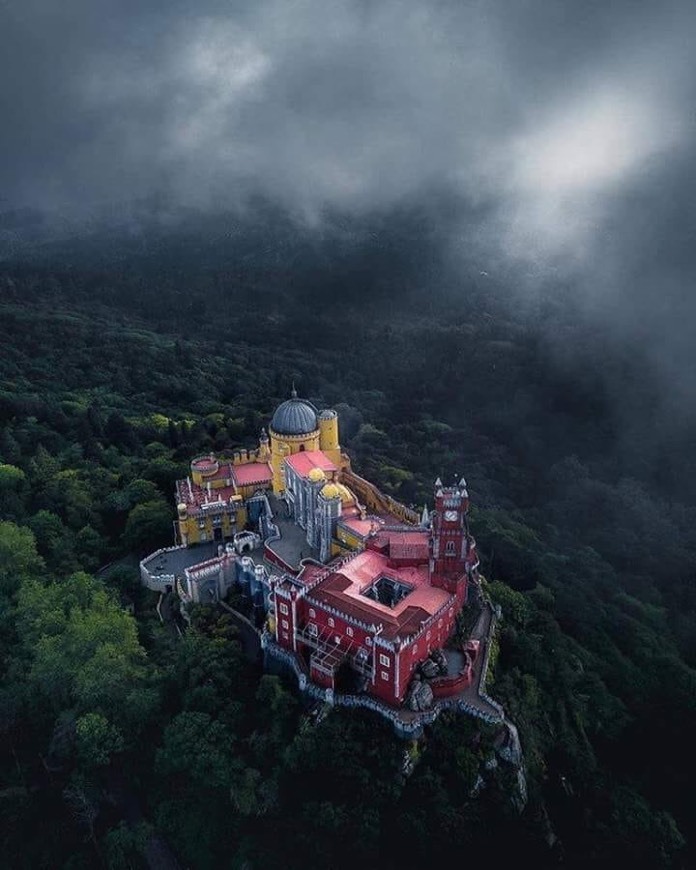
(449, 537)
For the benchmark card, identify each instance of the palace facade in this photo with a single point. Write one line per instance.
(359, 592)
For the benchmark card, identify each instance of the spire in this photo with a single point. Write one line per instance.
(462, 483)
(438, 483)
(293, 392)
(425, 517)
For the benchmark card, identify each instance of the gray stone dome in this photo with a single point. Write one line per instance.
(295, 417)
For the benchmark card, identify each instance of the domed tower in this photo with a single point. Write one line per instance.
(294, 428)
(329, 512)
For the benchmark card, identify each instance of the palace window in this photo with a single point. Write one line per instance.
(312, 613)
(285, 623)
(284, 609)
(385, 675)
(312, 629)
(286, 636)
(384, 660)
(427, 636)
(414, 649)
(368, 641)
(449, 549)
(331, 622)
(349, 631)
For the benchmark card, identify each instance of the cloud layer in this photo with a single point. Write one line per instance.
(569, 125)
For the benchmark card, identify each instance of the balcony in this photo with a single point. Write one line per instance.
(328, 655)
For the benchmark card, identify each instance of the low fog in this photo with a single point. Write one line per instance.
(566, 128)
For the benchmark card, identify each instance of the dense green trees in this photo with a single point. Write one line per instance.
(585, 523)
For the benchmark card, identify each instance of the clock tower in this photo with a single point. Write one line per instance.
(450, 543)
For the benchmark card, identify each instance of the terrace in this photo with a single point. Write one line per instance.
(291, 547)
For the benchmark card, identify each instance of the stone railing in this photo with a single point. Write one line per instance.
(152, 579)
(375, 499)
(407, 723)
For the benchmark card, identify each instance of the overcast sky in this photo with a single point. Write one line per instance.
(571, 123)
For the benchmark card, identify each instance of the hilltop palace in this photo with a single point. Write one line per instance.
(352, 591)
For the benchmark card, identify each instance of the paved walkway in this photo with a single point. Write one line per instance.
(292, 545)
(249, 637)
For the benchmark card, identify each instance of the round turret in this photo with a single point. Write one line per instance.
(331, 490)
(346, 496)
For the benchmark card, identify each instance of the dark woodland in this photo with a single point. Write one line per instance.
(125, 353)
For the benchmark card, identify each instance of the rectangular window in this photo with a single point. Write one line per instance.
(349, 631)
(312, 629)
(384, 660)
(284, 609)
(331, 622)
(368, 641)
(385, 675)
(285, 623)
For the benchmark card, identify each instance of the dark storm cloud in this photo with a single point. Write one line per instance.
(350, 104)
(569, 124)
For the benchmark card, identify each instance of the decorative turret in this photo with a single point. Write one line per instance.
(264, 447)
(329, 512)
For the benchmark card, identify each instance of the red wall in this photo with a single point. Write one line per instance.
(443, 687)
(439, 630)
(425, 645)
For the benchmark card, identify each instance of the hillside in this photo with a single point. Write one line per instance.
(123, 356)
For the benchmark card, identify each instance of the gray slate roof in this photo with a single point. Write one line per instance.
(294, 417)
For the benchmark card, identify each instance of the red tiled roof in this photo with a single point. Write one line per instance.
(343, 589)
(408, 545)
(252, 472)
(197, 496)
(225, 470)
(358, 526)
(304, 462)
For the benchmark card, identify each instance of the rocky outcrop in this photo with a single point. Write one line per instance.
(420, 695)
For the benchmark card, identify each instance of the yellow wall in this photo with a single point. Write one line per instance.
(191, 533)
(338, 549)
(328, 439)
(351, 540)
(287, 445)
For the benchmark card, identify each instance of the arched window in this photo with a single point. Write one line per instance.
(449, 548)
(302, 448)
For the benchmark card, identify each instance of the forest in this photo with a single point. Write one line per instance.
(124, 744)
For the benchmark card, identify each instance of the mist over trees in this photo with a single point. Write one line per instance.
(115, 371)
